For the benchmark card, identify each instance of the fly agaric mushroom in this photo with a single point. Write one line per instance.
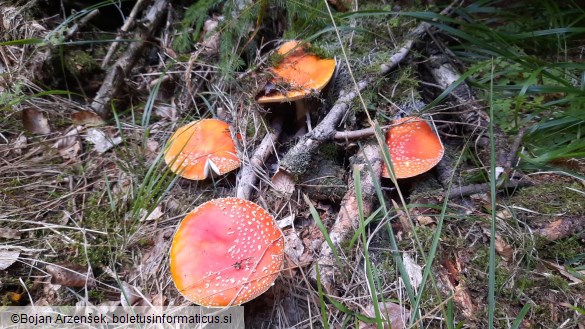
(302, 73)
(414, 147)
(201, 148)
(226, 252)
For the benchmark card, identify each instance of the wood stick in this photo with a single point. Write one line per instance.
(81, 23)
(114, 80)
(127, 24)
(347, 220)
(248, 177)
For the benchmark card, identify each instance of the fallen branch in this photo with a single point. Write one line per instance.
(475, 120)
(115, 78)
(127, 25)
(347, 220)
(248, 177)
(81, 23)
(468, 190)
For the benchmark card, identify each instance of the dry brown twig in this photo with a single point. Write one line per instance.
(81, 23)
(248, 175)
(114, 80)
(127, 25)
(347, 220)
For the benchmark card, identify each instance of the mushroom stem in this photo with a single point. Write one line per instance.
(302, 113)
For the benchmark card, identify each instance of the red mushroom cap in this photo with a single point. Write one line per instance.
(226, 252)
(414, 147)
(201, 147)
(304, 72)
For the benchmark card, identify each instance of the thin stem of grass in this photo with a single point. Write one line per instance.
(492, 250)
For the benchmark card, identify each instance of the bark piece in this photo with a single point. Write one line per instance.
(562, 228)
(397, 315)
(8, 257)
(347, 220)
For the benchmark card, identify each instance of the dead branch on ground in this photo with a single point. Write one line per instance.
(124, 29)
(347, 220)
(248, 174)
(115, 78)
(471, 113)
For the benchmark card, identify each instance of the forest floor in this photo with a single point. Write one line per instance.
(494, 235)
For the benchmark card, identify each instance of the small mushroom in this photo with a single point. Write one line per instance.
(202, 148)
(302, 73)
(226, 252)
(414, 147)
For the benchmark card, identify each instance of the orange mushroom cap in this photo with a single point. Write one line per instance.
(201, 147)
(304, 73)
(414, 147)
(226, 252)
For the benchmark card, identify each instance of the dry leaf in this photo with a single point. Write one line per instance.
(9, 233)
(210, 42)
(14, 297)
(87, 118)
(152, 258)
(397, 315)
(562, 228)
(504, 214)
(425, 220)
(101, 142)
(561, 269)
(131, 296)
(152, 146)
(155, 214)
(286, 221)
(293, 246)
(402, 217)
(167, 112)
(413, 270)
(502, 248)
(35, 121)
(8, 257)
(19, 144)
(69, 146)
(283, 183)
(70, 275)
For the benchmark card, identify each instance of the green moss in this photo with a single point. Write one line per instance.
(561, 249)
(79, 62)
(524, 283)
(557, 282)
(320, 52)
(553, 198)
(96, 295)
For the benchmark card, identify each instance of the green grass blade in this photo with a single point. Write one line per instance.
(323, 230)
(324, 312)
(518, 321)
(492, 248)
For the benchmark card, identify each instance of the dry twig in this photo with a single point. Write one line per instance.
(248, 176)
(115, 78)
(127, 25)
(347, 220)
